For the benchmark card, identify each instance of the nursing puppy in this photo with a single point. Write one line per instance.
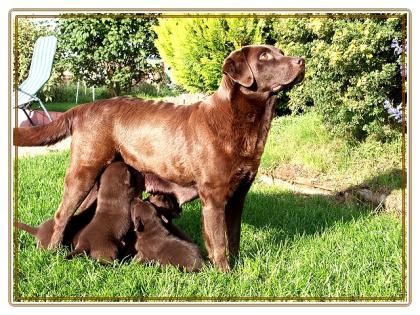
(44, 231)
(102, 238)
(168, 209)
(155, 243)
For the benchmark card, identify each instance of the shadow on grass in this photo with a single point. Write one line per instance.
(291, 215)
(287, 215)
(383, 182)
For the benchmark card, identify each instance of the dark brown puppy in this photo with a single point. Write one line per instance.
(168, 209)
(213, 147)
(103, 237)
(154, 243)
(166, 205)
(77, 223)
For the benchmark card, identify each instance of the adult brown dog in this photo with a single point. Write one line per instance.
(155, 243)
(103, 237)
(214, 146)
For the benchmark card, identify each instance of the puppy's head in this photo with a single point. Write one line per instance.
(166, 205)
(263, 68)
(143, 214)
(116, 179)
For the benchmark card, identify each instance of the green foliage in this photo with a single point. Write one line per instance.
(109, 51)
(351, 70)
(61, 93)
(195, 48)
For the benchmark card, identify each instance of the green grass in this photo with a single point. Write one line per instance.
(303, 143)
(59, 107)
(292, 245)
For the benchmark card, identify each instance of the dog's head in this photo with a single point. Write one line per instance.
(166, 206)
(263, 69)
(143, 215)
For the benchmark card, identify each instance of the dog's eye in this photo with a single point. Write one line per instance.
(265, 56)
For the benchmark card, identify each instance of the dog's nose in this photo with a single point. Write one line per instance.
(300, 61)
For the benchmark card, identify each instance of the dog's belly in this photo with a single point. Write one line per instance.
(168, 166)
(162, 143)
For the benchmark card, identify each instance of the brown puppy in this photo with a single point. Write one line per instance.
(102, 237)
(44, 231)
(168, 209)
(155, 243)
(212, 147)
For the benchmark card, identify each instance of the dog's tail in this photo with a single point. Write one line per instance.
(51, 133)
(30, 229)
(75, 252)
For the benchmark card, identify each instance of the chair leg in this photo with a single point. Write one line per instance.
(27, 116)
(44, 109)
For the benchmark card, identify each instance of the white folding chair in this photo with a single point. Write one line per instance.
(39, 73)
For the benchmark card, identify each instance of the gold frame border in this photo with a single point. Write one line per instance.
(403, 300)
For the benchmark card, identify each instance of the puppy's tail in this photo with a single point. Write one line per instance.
(30, 229)
(48, 134)
(76, 252)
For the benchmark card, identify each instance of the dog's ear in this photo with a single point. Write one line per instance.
(136, 218)
(237, 68)
(138, 224)
(127, 178)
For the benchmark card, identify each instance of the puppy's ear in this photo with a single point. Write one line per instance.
(136, 218)
(237, 68)
(127, 178)
(138, 224)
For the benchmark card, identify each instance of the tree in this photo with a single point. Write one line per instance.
(352, 69)
(109, 50)
(195, 48)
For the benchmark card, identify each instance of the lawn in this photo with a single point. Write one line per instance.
(292, 247)
(302, 145)
(59, 107)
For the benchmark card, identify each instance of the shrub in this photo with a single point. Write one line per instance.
(351, 70)
(195, 48)
(61, 93)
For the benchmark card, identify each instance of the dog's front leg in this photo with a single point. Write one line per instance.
(234, 209)
(214, 227)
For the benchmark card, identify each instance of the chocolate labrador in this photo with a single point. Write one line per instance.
(155, 243)
(213, 147)
(44, 231)
(168, 209)
(103, 237)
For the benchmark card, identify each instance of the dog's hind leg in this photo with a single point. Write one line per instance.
(90, 198)
(85, 168)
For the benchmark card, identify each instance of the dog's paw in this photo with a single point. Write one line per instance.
(222, 264)
(56, 240)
